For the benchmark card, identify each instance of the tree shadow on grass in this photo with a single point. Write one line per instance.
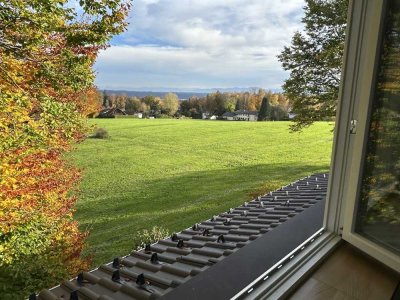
(177, 202)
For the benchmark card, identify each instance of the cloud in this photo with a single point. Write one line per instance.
(201, 43)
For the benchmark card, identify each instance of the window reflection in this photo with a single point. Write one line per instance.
(378, 215)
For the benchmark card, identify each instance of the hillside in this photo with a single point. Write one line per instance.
(174, 173)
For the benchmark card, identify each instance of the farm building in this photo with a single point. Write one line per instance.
(111, 113)
(229, 116)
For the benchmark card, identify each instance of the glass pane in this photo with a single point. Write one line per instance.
(378, 216)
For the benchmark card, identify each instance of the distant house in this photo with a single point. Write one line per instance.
(138, 115)
(111, 113)
(241, 115)
(208, 116)
(229, 116)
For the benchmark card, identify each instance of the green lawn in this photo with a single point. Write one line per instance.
(173, 173)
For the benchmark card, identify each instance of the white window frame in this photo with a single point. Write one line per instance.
(363, 83)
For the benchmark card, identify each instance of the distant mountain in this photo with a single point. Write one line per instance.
(183, 93)
(141, 94)
(197, 90)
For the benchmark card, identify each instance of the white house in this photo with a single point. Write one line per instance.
(241, 115)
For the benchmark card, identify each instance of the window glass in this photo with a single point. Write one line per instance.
(378, 216)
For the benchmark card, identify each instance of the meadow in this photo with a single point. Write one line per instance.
(174, 173)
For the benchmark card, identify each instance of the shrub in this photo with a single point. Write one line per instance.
(164, 116)
(149, 236)
(100, 133)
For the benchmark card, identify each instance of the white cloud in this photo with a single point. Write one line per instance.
(201, 43)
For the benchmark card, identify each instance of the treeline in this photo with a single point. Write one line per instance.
(149, 106)
(219, 103)
(214, 104)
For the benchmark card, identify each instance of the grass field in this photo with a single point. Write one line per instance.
(173, 173)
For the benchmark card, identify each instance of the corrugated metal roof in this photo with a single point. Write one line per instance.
(163, 266)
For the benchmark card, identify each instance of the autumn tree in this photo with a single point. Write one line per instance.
(144, 107)
(283, 102)
(91, 102)
(230, 103)
(120, 101)
(215, 103)
(133, 105)
(153, 103)
(46, 76)
(112, 100)
(255, 100)
(314, 60)
(170, 104)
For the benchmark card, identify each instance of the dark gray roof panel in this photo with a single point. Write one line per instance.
(236, 272)
(195, 250)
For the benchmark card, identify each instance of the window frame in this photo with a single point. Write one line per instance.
(370, 33)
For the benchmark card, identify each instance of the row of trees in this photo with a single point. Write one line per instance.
(46, 84)
(220, 103)
(149, 105)
(314, 60)
(213, 104)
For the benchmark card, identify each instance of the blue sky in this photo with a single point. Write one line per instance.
(200, 44)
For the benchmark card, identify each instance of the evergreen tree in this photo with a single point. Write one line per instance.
(314, 60)
(265, 110)
(105, 99)
(237, 106)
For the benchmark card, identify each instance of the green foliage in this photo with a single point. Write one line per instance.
(278, 114)
(238, 105)
(153, 173)
(133, 105)
(265, 110)
(164, 116)
(314, 60)
(215, 103)
(153, 104)
(145, 236)
(25, 276)
(230, 104)
(193, 108)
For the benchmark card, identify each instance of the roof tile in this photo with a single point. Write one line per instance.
(193, 250)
